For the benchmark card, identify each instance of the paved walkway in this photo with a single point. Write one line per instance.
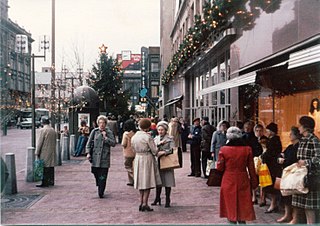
(74, 199)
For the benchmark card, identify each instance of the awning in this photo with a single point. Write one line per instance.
(303, 57)
(174, 100)
(235, 82)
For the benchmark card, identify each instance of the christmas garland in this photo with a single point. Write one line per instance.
(217, 17)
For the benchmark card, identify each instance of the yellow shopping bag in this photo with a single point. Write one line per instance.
(264, 176)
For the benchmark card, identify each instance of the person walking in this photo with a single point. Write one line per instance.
(287, 158)
(239, 177)
(113, 125)
(128, 154)
(98, 147)
(195, 137)
(84, 132)
(164, 143)
(146, 173)
(206, 136)
(270, 156)
(308, 154)
(46, 150)
(120, 128)
(219, 139)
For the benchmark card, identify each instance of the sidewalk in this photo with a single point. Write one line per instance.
(74, 199)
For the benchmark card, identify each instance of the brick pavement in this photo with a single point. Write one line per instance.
(74, 199)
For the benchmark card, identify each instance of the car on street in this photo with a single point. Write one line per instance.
(27, 123)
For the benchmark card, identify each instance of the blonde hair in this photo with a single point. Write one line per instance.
(102, 117)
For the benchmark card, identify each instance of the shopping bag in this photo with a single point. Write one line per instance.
(292, 180)
(171, 161)
(38, 166)
(215, 178)
(264, 176)
(257, 163)
(210, 165)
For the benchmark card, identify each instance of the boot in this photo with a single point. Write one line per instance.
(51, 176)
(168, 191)
(157, 199)
(102, 185)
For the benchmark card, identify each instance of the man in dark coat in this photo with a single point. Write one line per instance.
(206, 136)
(249, 138)
(195, 137)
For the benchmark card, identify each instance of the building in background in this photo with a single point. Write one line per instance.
(259, 61)
(15, 64)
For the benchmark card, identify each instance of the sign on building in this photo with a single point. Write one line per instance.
(21, 44)
(126, 55)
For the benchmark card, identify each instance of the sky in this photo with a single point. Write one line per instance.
(82, 26)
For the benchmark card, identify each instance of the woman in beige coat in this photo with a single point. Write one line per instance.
(146, 173)
(164, 143)
(174, 130)
(128, 154)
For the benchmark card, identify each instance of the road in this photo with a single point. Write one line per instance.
(74, 199)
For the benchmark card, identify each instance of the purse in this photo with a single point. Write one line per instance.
(172, 160)
(276, 184)
(38, 167)
(292, 180)
(264, 176)
(215, 178)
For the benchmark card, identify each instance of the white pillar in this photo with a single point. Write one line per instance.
(72, 144)
(29, 168)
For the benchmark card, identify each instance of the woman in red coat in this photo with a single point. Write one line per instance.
(239, 178)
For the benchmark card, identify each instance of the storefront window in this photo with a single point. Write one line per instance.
(223, 72)
(287, 111)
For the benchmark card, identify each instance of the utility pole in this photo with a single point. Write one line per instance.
(80, 71)
(53, 75)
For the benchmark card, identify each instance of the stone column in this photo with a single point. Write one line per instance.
(72, 144)
(58, 153)
(29, 168)
(11, 185)
(65, 149)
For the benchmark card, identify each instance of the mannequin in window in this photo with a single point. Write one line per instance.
(314, 112)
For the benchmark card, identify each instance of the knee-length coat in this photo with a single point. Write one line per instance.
(46, 146)
(239, 178)
(145, 170)
(167, 175)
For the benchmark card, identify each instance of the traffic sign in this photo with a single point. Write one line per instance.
(143, 92)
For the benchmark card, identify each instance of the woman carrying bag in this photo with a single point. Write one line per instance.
(165, 143)
(99, 143)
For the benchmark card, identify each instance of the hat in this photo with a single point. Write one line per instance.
(205, 118)
(144, 123)
(164, 124)
(196, 119)
(273, 127)
(233, 133)
(307, 122)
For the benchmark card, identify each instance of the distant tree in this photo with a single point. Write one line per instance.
(107, 80)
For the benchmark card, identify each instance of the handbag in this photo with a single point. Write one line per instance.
(215, 178)
(311, 180)
(38, 167)
(276, 184)
(264, 176)
(171, 161)
(292, 180)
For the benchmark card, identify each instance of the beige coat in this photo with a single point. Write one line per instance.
(167, 175)
(146, 172)
(126, 144)
(174, 131)
(46, 146)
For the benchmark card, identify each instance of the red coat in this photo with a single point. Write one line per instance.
(235, 193)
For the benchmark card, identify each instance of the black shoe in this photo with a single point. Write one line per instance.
(140, 207)
(255, 202)
(191, 175)
(129, 184)
(274, 210)
(42, 185)
(262, 204)
(155, 202)
(101, 196)
(198, 175)
(146, 208)
(167, 205)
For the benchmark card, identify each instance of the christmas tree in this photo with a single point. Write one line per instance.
(107, 80)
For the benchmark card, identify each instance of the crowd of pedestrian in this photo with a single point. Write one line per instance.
(229, 149)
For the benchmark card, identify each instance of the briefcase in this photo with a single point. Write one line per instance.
(172, 160)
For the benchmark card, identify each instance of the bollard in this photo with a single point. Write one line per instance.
(29, 168)
(72, 144)
(11, 185)
(58, 153)
(61, 140)
(65, 149)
